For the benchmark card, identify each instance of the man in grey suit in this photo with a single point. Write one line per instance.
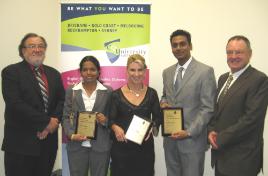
(195, 93)
(236, 130)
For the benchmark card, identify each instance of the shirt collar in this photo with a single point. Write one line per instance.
(41, 68)
(79, 86)
(185, 66)
(238, 73)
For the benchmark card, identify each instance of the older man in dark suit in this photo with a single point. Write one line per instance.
(34, 96)
(236, 130)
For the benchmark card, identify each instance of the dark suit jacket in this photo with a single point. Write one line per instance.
(24, 111)
(239, 122)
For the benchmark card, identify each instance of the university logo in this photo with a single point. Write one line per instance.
(112, 50)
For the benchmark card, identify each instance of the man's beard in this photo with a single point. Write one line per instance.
(35, 61)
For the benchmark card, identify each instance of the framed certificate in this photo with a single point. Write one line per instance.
(172, 120)
(138, 129)
(86, 124)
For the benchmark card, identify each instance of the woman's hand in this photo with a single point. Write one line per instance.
(119, 133)
(101, 118)
(164, 105)
(149, 134)
(78, 137)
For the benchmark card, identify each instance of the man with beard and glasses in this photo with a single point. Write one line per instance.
(34, 96)
(236, 129)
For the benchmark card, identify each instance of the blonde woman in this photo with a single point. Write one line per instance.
(134, 98)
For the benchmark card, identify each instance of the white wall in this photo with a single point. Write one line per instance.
(211, 23)
(18, 18)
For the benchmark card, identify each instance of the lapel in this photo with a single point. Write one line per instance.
(236, 86)
(31, 79)
(79, 100)
(222, 80)
(98, 102)
(187, 75)
(170, 75)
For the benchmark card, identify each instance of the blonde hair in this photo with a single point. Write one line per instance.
(137, 59)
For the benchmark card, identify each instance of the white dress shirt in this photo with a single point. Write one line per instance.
(235, 77)
(185, 66)
(89, 101)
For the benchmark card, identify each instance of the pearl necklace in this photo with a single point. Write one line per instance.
(134, 92)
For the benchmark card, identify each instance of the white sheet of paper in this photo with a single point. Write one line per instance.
(86, 143)
(137, 129)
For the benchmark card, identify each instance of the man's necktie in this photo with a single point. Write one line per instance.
(225, 89)
(43, 88)
(178, 79)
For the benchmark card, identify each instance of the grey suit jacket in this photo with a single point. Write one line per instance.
(239, 122)
(196, 95)
(103, 142)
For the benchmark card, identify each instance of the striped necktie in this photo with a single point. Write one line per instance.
(226, 88)
(43, 88)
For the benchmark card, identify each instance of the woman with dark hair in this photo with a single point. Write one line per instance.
(84, 155)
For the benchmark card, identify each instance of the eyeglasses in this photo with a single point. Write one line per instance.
(236, 52)
(35, 46)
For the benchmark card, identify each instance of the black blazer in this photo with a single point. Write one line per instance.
(239, 122)
(24, 111)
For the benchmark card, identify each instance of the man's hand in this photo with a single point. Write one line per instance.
(182, 134)
(212, 137)
(51, 128)
(42, 135)
(53, 125)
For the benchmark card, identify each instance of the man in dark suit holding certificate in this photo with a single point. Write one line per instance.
(34, 96)
(236, 130)
(191, 85)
